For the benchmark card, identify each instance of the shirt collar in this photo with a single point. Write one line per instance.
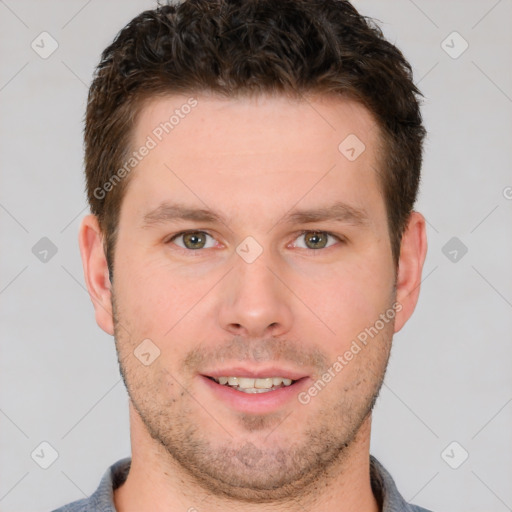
(382, 483)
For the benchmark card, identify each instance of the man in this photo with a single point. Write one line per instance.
(251, 169)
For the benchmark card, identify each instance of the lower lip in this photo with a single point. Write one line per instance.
(256, 403)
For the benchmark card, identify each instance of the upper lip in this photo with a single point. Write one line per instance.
(259, 373)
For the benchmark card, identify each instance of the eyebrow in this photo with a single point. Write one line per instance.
(339, 211)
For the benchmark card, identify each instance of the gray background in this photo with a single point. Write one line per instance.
(449, 377)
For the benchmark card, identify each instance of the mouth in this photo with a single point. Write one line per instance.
(254, 385)
(254, 391)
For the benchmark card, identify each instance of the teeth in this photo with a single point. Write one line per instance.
(244, 382)
(249, 385)
(263, 383)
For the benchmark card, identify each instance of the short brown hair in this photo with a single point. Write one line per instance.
(245, 47)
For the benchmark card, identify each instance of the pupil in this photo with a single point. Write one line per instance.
(194, 239)
(317, 239)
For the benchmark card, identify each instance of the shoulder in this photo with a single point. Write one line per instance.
(76, 506)
(385, 490)
(102, 500)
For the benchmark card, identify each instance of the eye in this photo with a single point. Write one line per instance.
(193, 240)
(316, 239)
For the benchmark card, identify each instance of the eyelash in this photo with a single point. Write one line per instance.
(302, 233)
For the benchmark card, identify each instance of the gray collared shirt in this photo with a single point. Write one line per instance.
(383, 487)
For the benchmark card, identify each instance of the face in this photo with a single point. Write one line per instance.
(252, 246)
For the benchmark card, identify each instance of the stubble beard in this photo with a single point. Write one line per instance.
(244, 467)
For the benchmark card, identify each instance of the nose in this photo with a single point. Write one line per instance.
(254, 302)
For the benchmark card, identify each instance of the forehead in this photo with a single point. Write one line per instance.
(247, 151)
(253, 125)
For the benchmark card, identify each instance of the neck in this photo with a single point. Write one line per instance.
(157, 483)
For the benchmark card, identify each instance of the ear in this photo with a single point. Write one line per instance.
(413, 251)
(96, 275)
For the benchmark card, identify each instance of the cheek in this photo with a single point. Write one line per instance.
(349, 298)
(150, 298)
